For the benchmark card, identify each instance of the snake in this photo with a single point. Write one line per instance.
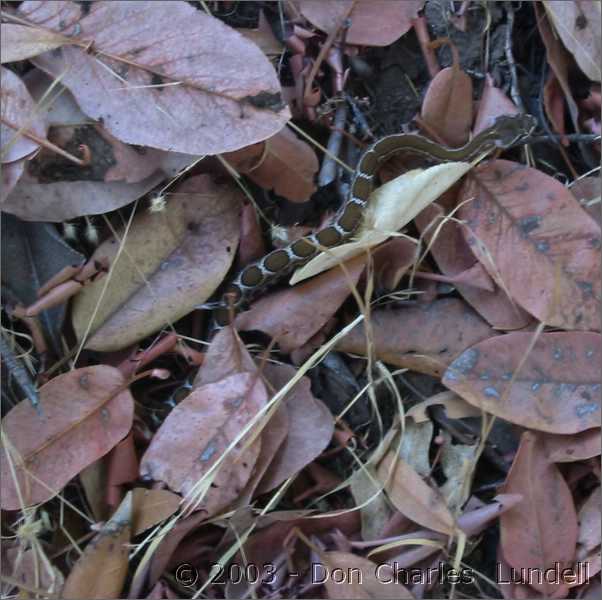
(505, 132)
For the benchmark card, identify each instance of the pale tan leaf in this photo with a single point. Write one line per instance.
(171, 261)
(101, 570)
(19, 42)
(412, 496)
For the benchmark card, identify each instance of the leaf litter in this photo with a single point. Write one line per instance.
(426, 385)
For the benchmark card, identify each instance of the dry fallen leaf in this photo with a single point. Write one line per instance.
(160, 67)
(372, 22)
(516, 211)
(552, 386)
(542, 530)
(424, 338)
(292, 316)
(199, 432)
(347, 576)
(578, 25)
(18, 113)
(453, 256)
(412, 496)
(171, 261)
(20, 42)
(391, 207)
(101, 570)
(85, 413)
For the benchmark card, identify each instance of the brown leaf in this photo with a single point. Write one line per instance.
(542, 530)
(18, 113)
(310, 427)
(424, 338)
(447, 105)
(101, 570)
(571, 448)
(412, 496)
(373, 22)
(518, 211)
(556, 388)
(198, 433)
(283, 163)
(146, 90)
(85, 413)
(454, 257)
(30, 568)
(171, 261)
(347, 576)
(578, 25)
(587, 193)
(294, 315)
(150, 507)
(493, 104)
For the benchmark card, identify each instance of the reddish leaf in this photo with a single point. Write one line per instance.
(589, 527)
(101, 570)
(447, 105)
(453, 257)
(541, 532)
(85, 413)
(373, 22)
(197, 434)
(283, 163)
(347, 576)
(294, 315)
(587, 193)
(310, 428)
(224, 85)
(556, 388)
(518, 211)
(494, 103)
(424, 338)
(571, 448)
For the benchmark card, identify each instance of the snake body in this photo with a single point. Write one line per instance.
(506, 131)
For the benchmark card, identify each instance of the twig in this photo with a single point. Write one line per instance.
(328, 170)
(514, 91)
(16, 369)
(575, 138)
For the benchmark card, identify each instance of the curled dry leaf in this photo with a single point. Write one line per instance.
(18, 113)
(372, 22)
(551, 385)
(541, 532)
(158, 67)
(292, 316)
(282, 163)
(199, 432)
(19, 42)
(171, 261)
(535, 241)
(391, 207)
(453, 256)
(359, 578)
(101, 570)
(85, 413)
(424, 338)
(412, 496)
(578, 25)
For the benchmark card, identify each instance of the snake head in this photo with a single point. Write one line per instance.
(510, 130)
